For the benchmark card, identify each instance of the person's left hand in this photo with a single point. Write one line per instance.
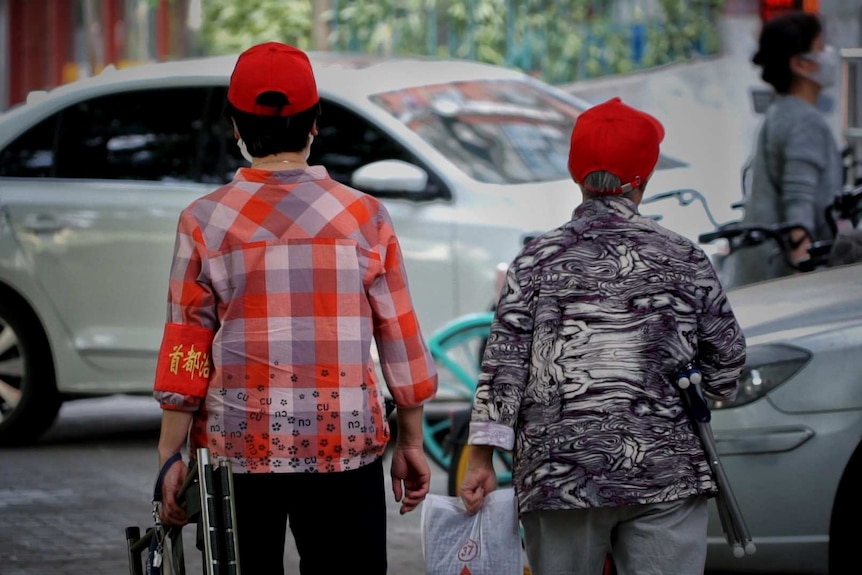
(171, 512)
(411, 477)
(479, 480)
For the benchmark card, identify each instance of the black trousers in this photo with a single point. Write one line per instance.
(338, 521)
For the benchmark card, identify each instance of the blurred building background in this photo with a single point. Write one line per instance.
(44, 43)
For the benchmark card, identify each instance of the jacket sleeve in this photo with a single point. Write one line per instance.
(405, 361)
(720, 341)
(806, 157)
(184, 362)
(505, 368)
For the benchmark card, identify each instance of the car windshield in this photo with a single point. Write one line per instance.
(496, 131)
(500, 131)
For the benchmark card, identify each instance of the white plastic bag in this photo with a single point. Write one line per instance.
(487, 543)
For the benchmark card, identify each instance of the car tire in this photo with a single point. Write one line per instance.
(29, 401)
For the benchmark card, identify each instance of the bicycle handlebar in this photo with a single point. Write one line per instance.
(748, 235)
(848, 206)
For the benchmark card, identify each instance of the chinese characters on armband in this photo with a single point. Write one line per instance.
(184, 360)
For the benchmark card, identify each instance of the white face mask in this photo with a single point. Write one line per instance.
(308, 146)
(244, 150)
(828, 67)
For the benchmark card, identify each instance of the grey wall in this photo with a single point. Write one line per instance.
(843, 22)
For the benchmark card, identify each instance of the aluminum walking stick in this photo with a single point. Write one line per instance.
(732, 523)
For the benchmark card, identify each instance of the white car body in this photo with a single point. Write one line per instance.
(89, 257)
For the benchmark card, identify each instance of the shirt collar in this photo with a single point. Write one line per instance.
(281, 177)
(607, 205)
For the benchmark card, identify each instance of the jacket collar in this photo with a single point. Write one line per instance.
(607, 205)
(281, 177)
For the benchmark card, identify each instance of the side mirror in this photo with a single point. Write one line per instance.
(390, 176)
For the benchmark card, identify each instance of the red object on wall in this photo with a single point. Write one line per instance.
(40, 36)
(769, 9)
(60, 26)
(163, 30)
(28, 53)
(41, 42)
(109, 33)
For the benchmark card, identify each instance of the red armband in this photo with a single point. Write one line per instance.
(184, 360)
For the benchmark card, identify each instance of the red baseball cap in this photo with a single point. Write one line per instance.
(615, 138)
(272, 67)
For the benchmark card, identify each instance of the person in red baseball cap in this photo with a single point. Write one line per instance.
(281, 281)
(273, 103)
(596, 322)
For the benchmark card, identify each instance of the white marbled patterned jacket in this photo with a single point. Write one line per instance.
(595, 320)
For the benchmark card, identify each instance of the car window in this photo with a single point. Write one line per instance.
(221, 158)
(31, 155)
(153, 134)
(496, 131)
(346, 141)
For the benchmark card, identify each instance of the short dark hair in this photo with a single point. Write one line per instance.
(782, 38)
(268, 135)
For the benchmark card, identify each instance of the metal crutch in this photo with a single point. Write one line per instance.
(732, 523)
(218, 516)
(207, 496)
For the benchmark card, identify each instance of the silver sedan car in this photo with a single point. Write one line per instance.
(791, 441)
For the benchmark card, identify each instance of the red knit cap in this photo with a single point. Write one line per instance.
(615, 138)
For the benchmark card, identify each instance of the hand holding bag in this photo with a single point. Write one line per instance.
(487, 543)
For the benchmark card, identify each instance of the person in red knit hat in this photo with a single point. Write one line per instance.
(595, 321)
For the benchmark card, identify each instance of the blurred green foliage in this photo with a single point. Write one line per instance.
(557, 40)
(230, 27)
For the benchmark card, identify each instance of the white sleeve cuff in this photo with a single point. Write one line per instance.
(490, 433)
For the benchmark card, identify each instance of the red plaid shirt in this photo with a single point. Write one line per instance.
(279, 282)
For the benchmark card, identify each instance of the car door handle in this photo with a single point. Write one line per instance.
(42, 224)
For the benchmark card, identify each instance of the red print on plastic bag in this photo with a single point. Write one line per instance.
(469, 551)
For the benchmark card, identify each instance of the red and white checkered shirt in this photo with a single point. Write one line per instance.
(279, 282)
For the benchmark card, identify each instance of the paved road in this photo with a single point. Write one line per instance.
(64, 503)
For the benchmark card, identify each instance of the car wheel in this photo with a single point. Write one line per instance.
(29, 401)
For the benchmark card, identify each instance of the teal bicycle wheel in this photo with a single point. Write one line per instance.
(457, 349)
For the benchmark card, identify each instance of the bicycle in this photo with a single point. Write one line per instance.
(846, 209)
(457, 349)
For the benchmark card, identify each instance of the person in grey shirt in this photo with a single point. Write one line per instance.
(594, 322)
(796, 168)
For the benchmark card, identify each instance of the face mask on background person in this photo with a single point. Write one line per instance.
(828, 67)
(244, 150)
